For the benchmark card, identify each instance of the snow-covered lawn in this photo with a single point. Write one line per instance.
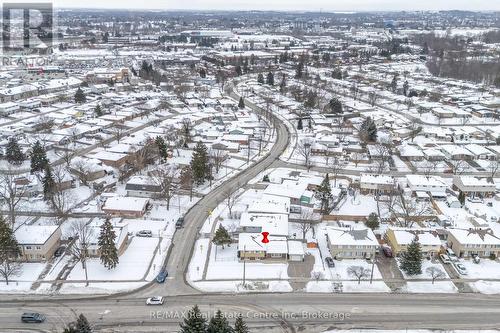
(197, 263)
(22, 282)
(486, 287)
(237, 286)
(99, 288)
(428, 287)
(133, 263)
(425, 275)
(228, 267)
(486, 269)
(348, 287)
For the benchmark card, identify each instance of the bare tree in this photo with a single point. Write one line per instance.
(118, 132)
(218, 156)
(186, 180)
(230, 201)
(81, 169)
(356, 158)
(383, 155)
(493, 167)
(458, 167)
(358, 272)
(186, 130)
(317, 275)
(60, 199)
(372, 98)
(83, 235)
(435, 273)
(404, 210)
(144, 154)
(335, 169)
(11, 194)
(304, 148)
(306, 221)
(66, 153)
(9, 268)
(164, 177)
(429, 167)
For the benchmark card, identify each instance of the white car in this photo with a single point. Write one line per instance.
(445, 258)
(157, 300)
(460, 268)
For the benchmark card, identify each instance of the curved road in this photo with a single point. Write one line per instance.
(292, 312)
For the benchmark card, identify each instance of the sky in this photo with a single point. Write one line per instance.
(309, 5)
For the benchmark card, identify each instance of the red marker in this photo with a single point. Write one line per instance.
(265, 234)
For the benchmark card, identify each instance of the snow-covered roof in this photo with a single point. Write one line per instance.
(34, 234)
(275, 224)
(351, 237)
(475, 236)
(426, 237)
(126, 204)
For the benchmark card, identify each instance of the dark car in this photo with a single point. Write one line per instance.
(179, 223)
(387, 251)
(32, 318)
(60, 251)
(161, 277)
(329, 261)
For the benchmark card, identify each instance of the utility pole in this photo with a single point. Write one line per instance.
(373, 266)
(244, 264)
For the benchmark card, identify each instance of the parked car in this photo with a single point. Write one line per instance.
(161, 277)
(329, 261)
(60, 251)
(32, 317)
(387, 251)
(453, 257)
(144, 233)
(179, 223)
(156, 300)
(460, 268)
(445, 259)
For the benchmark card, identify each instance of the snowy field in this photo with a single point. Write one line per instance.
(237, 286)
(425, 275)
(428, 287)
(22, 282)
(348, 287)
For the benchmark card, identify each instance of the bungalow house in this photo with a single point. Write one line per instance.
(241, 139)
(455, 152)
(369, 183)
(399, 239)
(38, 242)
(480, 152)
(295, 190)
(274, 224)
(473, 186)
(348, 243)
(143, 187)
(251, 247)
(434, 185)
(475, 241)
(232, 147)
(115, 160)
(126, 206)
(411, 153)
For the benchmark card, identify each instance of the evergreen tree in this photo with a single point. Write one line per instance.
(107, 247)
(9, 247)
(411, 260)
(82, 324)
(48, 184)
(368, 130)
(406, 87)
(80, 96)
(199, 164)
(260, 78)
(335, 105)
(241, 103)
(203, 73)
(239, 70)
(394, 83)
(324, 194)
(461, 198)
(299, 71)
(13, 152)
(105, 38)
(98, 110)
(240, 326)
(222, 237)
(283, 84)
(299, 124)
(162, 148)
(219, 324)
(372, 222)
(266, 179)
(38, 158)
(194, 322)
(270, 79)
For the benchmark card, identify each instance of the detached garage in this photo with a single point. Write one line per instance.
(295, 251)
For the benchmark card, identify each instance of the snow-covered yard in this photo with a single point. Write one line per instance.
(22, 283)
(133, 265)
(486, 269)
(426, 264)
(428, 287)
(347, 286)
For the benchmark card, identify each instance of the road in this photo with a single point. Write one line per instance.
(278, 312)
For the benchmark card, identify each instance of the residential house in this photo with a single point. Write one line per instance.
(126, 206)
(370, 183)
(399, 239)
(348, 243)
(473, 186)
(38, 242)
(475, 241)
